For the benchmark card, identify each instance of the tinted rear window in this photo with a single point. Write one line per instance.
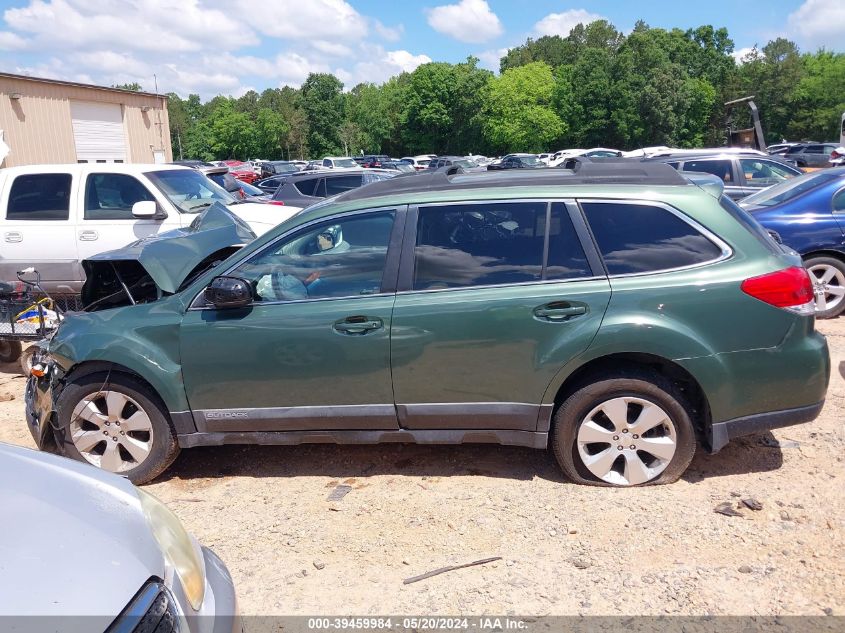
(40, 197)
(642, 238)
(306, 186)
(340, 184)
(720, 168)
(484, 244)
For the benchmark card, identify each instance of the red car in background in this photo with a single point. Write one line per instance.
(242, 171)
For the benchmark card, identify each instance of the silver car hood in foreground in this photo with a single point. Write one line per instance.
(74, 540)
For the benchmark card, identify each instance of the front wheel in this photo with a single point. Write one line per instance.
(624, 431)
(828, 277)
(116, 422)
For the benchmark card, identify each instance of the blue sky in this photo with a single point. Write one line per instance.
(230, 46)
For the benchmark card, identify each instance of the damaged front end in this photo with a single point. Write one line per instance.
(143, 272)
(42, 389)
(161, 265)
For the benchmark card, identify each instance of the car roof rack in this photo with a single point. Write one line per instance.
(585, 171)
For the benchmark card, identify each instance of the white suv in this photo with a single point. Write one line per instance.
(339, 162)
(54, 216)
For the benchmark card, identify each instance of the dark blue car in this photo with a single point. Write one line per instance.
(808, 212)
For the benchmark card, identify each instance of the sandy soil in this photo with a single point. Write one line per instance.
(566, 549)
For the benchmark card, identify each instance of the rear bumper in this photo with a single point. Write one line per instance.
(723, 432)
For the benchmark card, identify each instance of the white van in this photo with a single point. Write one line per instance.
(54, 216)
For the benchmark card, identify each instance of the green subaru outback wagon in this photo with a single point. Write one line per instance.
(618, 313)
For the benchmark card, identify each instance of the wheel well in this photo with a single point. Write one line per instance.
(824, 253)
(627, 363)
(94, 367)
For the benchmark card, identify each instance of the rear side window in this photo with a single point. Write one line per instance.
(483, 244)
(306, 186)
(40, 197)
(720, 168)
(340, 184)
(642, 238)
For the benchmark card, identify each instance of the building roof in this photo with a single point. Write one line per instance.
(60, 82)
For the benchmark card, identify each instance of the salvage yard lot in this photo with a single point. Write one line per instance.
(565, 549)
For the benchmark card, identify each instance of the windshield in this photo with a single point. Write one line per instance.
(530, 160)
(189, 190)
(789, 189)
(467, 164)
(345, 162)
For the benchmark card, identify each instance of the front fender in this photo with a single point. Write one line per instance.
(142, 338)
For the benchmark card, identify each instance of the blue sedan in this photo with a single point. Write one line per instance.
(808, 212)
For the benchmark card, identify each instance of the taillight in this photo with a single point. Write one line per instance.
(790, 288)
(278, 203)
(836, 154)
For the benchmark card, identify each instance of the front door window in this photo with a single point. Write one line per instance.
(338, 258)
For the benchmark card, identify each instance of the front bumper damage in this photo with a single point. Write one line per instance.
(40, 405)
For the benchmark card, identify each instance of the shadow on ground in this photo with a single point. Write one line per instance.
(755, 453)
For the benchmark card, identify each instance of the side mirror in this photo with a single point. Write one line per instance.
(147, 210)
(229, 292)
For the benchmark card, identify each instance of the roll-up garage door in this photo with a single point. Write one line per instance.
(98, 132)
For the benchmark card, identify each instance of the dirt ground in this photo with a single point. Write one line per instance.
(565, 549)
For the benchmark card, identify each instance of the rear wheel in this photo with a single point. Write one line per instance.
(828, 277)
(115, 422)
(10, 351)
(624, 431)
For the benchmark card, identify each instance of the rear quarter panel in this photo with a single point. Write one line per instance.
(700, 318)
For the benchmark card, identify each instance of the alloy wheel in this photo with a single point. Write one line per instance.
(828, 286)
(111, 431)
(626, 441)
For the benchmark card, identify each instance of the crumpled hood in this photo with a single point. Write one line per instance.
(169, 257)
(75, 539)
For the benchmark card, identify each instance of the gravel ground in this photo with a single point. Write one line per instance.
(565, 549)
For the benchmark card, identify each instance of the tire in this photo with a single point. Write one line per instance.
(640, 393)
(829, 294)
(10, 351)
(84, 412)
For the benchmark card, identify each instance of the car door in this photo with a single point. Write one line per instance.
(106, 221)
(313, 350)
(38, 229)
(489, 309)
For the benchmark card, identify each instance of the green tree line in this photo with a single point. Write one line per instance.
(595, 87)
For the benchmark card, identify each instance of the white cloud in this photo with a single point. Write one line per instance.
(304, 19)
(149, 26)
(468, 21)
(740, 53)
(492, 58)
(562, 23)
(389, 33)
(818, 23)
(197, 46)
(11, 41)
(382, 66)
